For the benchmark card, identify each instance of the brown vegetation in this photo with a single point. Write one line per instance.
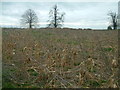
(52, 58)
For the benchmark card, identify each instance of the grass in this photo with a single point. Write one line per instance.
(33, 72)
(108, 49)
(59, 58)
(9, 85)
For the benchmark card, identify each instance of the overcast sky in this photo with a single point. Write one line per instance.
(77, 14)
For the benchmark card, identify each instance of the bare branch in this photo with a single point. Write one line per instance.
(55, 18)
(113, 17)
(29, 19)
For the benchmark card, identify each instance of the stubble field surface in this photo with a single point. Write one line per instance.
(59, 58)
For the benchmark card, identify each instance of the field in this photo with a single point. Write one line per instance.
(60, 58)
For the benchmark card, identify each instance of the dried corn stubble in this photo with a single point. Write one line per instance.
(63, 64)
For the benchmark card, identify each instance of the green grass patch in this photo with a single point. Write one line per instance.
(108, 49)
(9, 85)
(24, 85)
(60, 40)
(76, 64)
(103, 81)
(73, 42)
(49, 34)
(92, 70)
(33, 72)
(13, 70)
(93, 83)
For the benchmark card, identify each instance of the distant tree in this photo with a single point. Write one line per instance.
(113, 17)
(29, 19)
(109, 28)
(55, 18)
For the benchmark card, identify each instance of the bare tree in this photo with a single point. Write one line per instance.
(55, 18)
(29, 18)
(113, 17)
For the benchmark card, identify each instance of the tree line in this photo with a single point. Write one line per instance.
(29, 19)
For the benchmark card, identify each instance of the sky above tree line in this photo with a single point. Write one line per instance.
(77, 14)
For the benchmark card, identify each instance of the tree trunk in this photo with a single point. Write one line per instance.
(30, 26)
(30, 20)
(114, 26)
(55, 15)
